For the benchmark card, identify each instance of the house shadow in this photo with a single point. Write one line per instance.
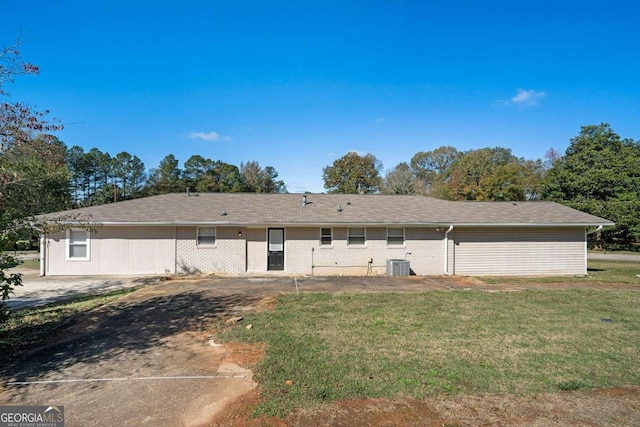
(121, 335)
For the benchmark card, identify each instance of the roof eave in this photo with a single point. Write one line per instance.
(343, 224)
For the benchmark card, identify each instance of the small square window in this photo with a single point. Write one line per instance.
(395, 236)
(356, 236)
(206, 236)
(78, 245)
(325, 237)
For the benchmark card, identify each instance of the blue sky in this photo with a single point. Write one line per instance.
(295, 85)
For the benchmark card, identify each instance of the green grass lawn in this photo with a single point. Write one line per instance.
(623, 272)
(32, 263)
(343, 346)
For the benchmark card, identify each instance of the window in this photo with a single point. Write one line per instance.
(206, 236)
(395, 236)
(325, 237)
(78, 245)
(356, 236)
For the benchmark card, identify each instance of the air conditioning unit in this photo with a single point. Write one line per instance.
(398, 267)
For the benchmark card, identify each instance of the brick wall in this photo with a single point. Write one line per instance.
(227, 256)
(422, 248)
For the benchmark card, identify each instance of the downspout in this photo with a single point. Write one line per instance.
(43, 250)
(595, 231)
(586, 248)
(446, 250)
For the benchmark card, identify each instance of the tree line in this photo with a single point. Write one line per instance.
(599, 173)
(96, 177)
(50, 177)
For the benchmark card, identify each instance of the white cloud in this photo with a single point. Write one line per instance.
(205, 136)
(527, 97)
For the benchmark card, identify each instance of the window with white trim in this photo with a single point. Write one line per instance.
(326, 239)
(78, 245)
(356, 236)
(395, 236)
(206, 236)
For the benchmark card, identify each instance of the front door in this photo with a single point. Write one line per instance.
(275, 251)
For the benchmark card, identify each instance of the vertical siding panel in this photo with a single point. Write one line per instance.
(117, 250)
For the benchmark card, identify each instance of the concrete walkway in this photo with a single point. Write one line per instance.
(36, 291)
(608, 256)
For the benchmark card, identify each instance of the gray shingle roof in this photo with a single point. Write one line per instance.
(287, 209)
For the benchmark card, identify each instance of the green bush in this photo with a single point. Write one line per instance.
(23, 245)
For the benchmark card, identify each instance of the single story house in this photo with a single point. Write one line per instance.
(318, 234)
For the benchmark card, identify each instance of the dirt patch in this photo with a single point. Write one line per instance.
(619, 407)
(243, 354)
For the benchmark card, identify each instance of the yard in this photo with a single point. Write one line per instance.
(334, 347)
(323, 349)
(503, 355)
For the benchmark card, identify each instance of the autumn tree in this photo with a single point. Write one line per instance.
(40, 178)
(432, 168)
(401, 180)
(517, 179)
(259, 180)
(353, 174)
(600, 173)
(472, 169)
(20, 126)
(493, 174)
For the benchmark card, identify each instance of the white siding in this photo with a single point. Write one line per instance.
(116, 250)
(517, 251)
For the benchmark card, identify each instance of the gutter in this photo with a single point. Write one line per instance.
(330, 224)
(446, 250)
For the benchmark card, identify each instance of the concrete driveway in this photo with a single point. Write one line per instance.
(612, 256)
(147, 359)
(37, 291)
